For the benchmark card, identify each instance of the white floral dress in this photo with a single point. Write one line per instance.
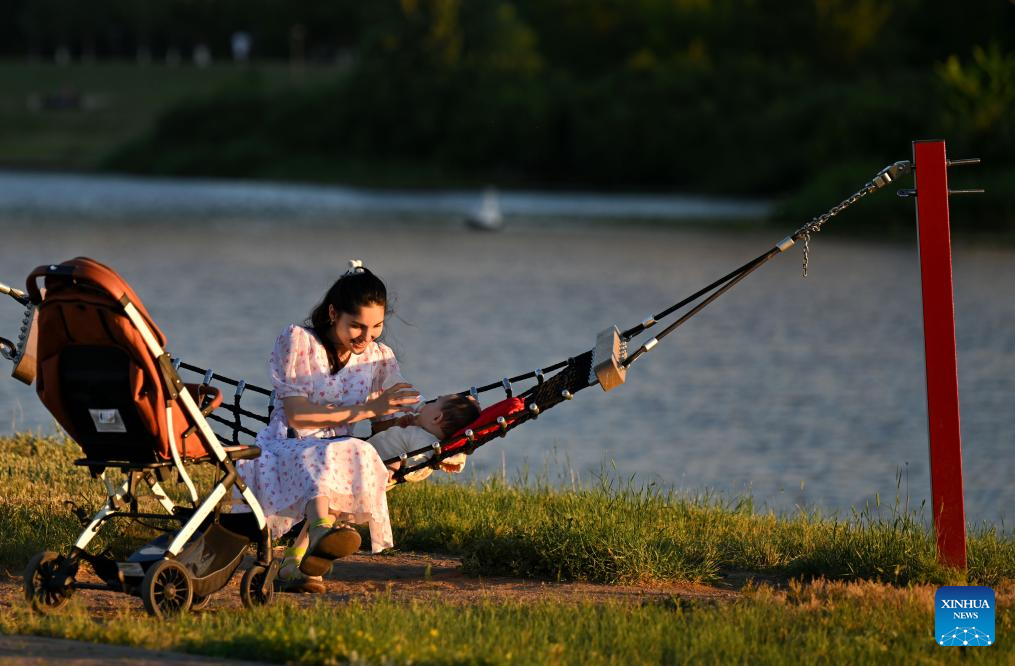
(293, 470)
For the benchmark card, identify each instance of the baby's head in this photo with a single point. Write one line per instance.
(447, 415)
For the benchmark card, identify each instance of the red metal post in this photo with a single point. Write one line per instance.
(939, 339)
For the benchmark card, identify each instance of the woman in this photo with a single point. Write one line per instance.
(329, 374)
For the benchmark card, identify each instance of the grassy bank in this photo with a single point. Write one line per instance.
(807, 624)
(598, 534)
(626, 535)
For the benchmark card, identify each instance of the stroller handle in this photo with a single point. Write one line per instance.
(83, 269)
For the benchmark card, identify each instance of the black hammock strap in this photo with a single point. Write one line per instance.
(571, 376)
(553, 384)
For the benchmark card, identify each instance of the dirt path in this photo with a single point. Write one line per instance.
(401, 576)
(409, 576)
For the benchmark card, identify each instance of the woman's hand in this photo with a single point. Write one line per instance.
(302, 413)
(394, 399)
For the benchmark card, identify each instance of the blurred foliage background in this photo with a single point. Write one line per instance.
(799, 101)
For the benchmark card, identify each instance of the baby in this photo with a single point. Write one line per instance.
(434, 421)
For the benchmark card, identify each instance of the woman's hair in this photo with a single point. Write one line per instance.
(350, 293)
(458, 412)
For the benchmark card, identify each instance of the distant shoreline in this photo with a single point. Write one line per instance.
(81, 194)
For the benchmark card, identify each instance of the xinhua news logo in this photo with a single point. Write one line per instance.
(964, 616)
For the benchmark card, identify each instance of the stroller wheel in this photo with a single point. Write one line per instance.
(200, 603)
(40, 591)
(252, 592)
(167, 589)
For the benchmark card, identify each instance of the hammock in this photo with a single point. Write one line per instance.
(605, 364)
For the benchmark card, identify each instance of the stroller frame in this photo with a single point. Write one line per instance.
(178, 570)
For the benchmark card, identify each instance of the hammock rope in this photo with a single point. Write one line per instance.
(887, 175)
(553, 385)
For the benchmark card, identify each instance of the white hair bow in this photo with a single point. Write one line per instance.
(355, 266)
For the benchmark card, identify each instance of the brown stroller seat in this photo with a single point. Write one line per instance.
(103, 372)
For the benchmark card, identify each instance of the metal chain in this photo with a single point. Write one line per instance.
(807, 252)
(883, 178)
(814, 226)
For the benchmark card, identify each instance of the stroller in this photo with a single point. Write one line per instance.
(103, 372)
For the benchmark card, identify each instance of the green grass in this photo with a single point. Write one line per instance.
(595, 534)
(122, 101)
(807, 624)
(616, 535)
(600, 534)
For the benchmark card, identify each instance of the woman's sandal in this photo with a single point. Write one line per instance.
(329, 545)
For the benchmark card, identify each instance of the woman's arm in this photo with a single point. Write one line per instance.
(302, 413)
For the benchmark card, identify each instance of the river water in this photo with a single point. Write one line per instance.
(800, 392)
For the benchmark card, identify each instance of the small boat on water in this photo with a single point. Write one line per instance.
(488, 216)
